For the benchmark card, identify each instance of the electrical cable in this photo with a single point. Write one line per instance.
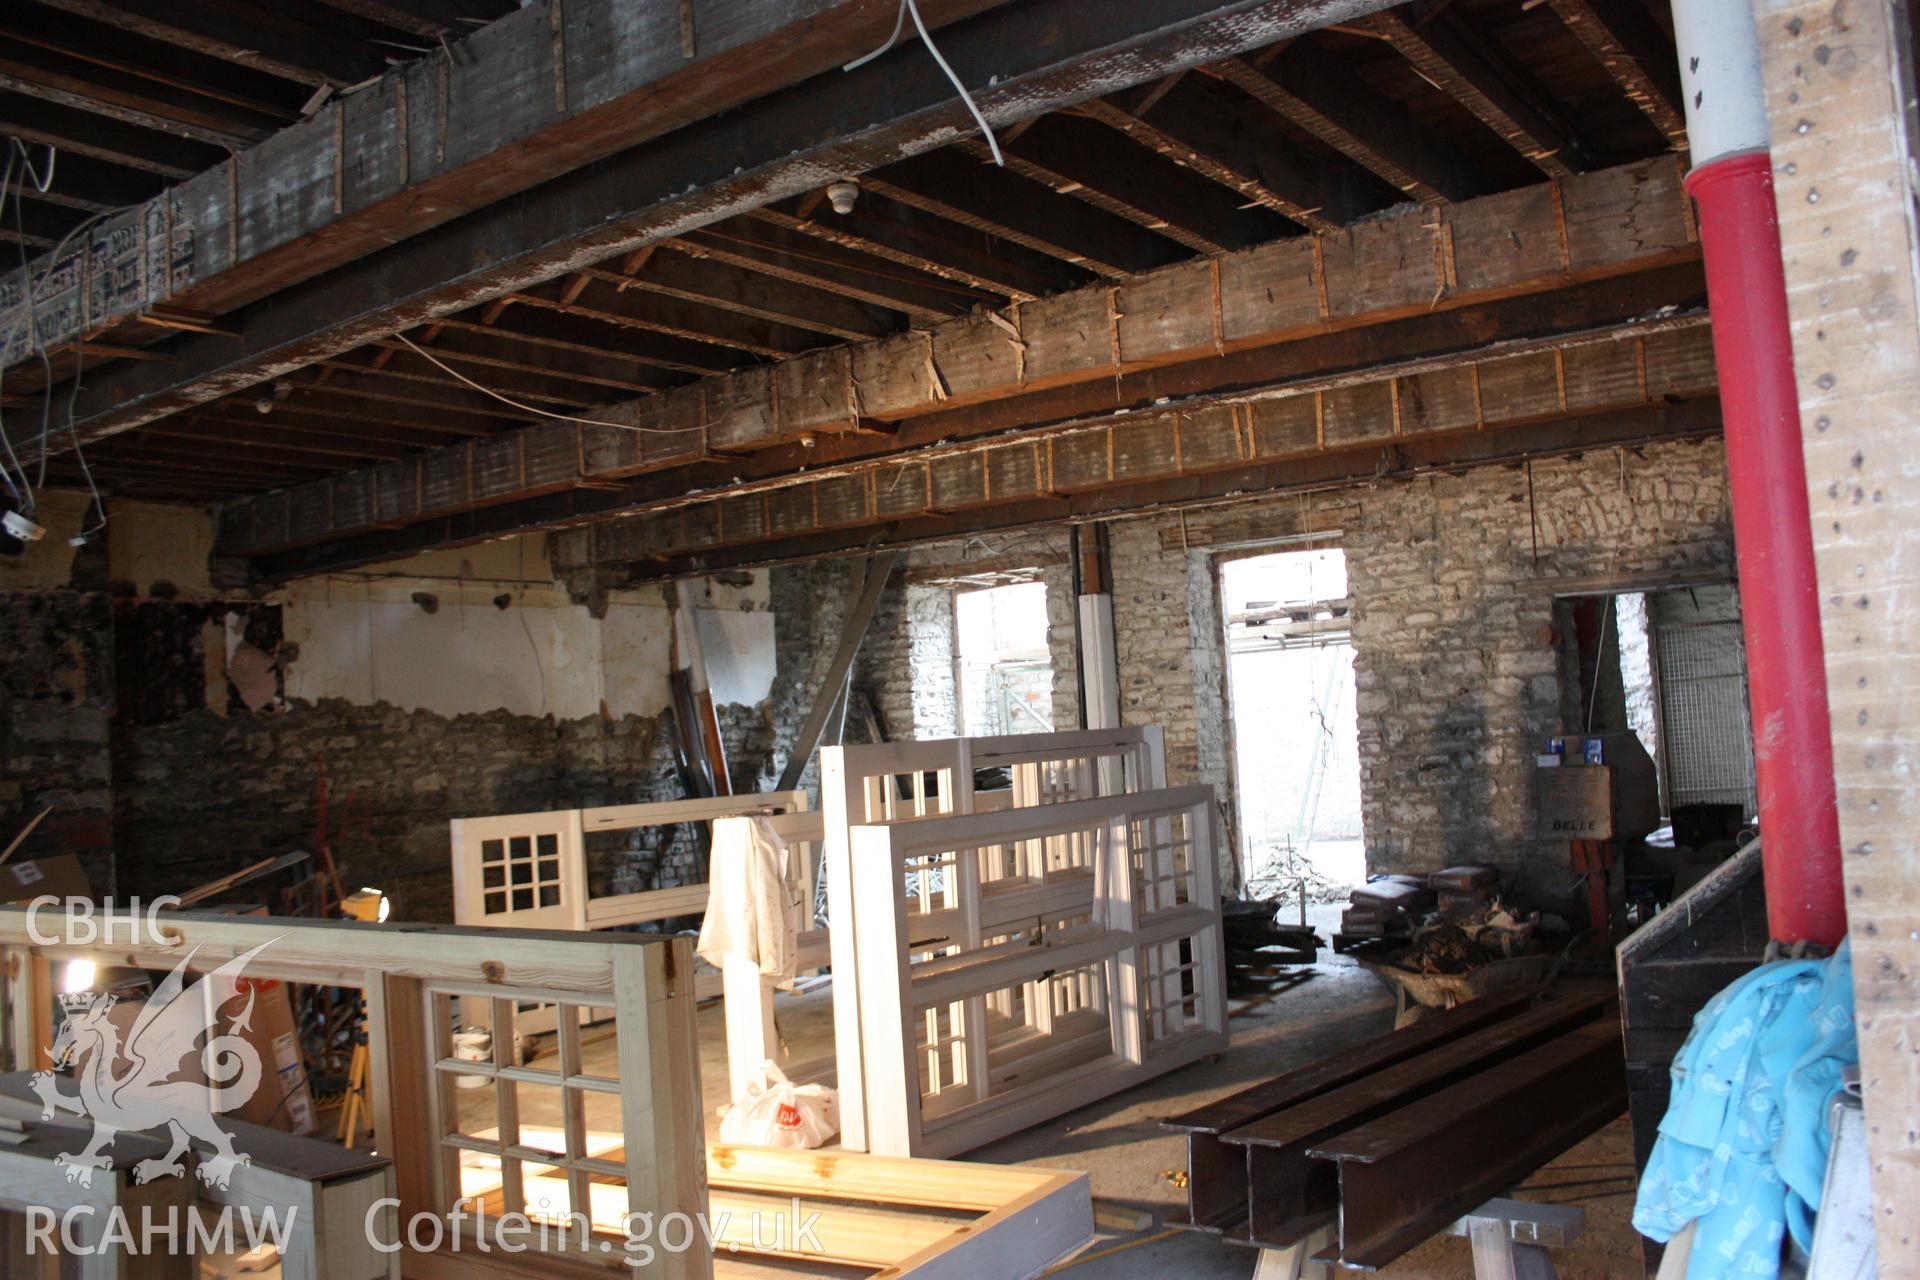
(428, 356)
(24, 498)
(899, 24)
(27, 498)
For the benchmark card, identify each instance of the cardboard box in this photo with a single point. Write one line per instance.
(60, 876)
(283, 1101)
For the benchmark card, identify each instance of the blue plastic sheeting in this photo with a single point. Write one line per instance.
(1743, 1147)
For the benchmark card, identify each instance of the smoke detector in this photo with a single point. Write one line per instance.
(842, 194)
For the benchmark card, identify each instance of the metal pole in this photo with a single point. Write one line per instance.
(1746, 291)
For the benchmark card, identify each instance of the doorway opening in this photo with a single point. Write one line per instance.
(1005, 668)
(1667, 666)
(1290, 688)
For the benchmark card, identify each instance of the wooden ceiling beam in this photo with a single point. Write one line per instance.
(26, 214)
(247, 35)
(605, 341)
(1320, 97)
(1449, 56)
(82, 182)
(81, 132)
(1003, 204)
(670, 318)
(493, 97)
(1637, 54)
(27, 238)
(312, 407)
(1079, 158)
(430, 18)
(405, 366)
(1022, 58)
(277, 450)
(344, 380)
(187, 459)
(689, 274)
(44, 75)
(779, 251)
(1603, 244)
(1196, 130)
(378, 442)
(476, 353)
(888, 233)
(135, 56)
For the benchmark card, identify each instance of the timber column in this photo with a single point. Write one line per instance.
(1732, 184)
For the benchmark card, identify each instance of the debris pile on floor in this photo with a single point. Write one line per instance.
(1463, 941)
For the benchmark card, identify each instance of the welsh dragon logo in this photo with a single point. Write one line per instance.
(147, 1084)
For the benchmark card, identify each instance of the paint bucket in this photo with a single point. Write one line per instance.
(472, 1046)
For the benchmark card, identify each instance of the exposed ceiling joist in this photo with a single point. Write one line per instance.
(430, 18)
(76, 130)
(1078, 157)
(142, 106)
(430, 137)
(1320, 97)
(1192, 129)
(266, 42)
(785, 254)
(1617, 224)
(891, 237)
(682, 271)
(1025, 59)
(1457, 62)
(1015, 208)
(1637, 54)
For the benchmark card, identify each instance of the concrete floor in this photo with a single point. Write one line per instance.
(1132, 1159)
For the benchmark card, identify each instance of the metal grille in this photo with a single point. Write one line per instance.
(1706, 728)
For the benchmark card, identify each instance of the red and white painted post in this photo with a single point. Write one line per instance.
(1732, 185)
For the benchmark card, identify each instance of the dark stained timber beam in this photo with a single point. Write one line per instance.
(1078, 157)
(1021, 60)
(1510, 327)
(264, 41)
(891, 234)
(430, 18)
(1620, 230)
(82, 182)
(649, 552)
(785, 254)
(681, 271)
(1192, 127)
(1330, 103)
(1637, 54)
(521, 101)
(81, 132)
(974, 193)
(1450, 56)
(113, 92)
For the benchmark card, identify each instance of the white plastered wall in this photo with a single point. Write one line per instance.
(367, 637)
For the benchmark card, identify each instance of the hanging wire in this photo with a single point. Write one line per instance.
(429, 357)
(909, 7)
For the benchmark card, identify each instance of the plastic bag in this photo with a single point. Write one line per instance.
(779, 1113)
